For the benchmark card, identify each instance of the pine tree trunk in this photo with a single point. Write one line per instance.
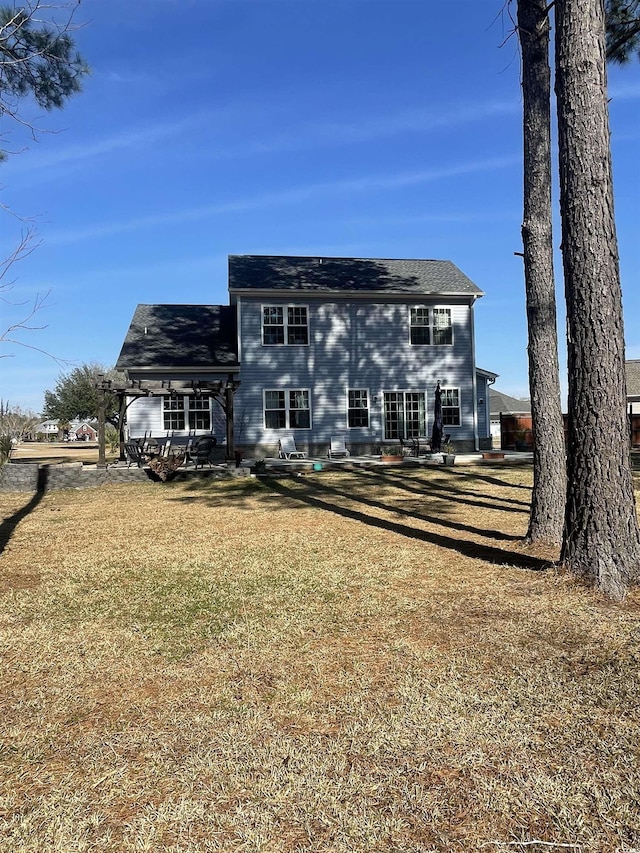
(549, 464)
(601, 539)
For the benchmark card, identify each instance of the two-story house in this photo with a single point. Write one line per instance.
(320, 346)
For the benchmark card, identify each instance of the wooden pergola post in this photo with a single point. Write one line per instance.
(102, 416)
(228, 393)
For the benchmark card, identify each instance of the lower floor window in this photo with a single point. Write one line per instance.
(173, 414)
(358, 408)
(405, 414)
(287, 409)
(180, 411)
(450, 406)
(199, 412)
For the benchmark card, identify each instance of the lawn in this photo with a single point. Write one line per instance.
(367, 661)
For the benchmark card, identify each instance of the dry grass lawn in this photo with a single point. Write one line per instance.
(369, 662)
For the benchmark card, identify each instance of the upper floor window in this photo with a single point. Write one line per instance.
(358, 408)
(430, 326)
(442, 328)
(420, 332)
(450, 406)
(285, 325)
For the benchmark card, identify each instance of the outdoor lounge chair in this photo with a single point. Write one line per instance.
(287, 449)
(337, 448)
(133, 453)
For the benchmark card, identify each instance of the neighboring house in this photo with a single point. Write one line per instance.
(320, 346)
(84, 431)
(633, 386)
(48, 428)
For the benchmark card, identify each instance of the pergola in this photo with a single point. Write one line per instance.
(222, 390)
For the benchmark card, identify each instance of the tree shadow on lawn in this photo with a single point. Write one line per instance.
(317, 494)
(420, 487)
(440, 520)
(475, 550)
(9, 525)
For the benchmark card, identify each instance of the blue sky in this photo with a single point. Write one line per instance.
(358, 128)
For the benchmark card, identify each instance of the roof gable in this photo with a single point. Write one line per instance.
(348, 275)
(632, 369)
(180, 336)
(500, 402)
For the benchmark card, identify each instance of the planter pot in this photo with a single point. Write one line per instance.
(391, 458)
(448, 458)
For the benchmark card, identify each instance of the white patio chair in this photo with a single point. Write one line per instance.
(338, 448)
(287, 449)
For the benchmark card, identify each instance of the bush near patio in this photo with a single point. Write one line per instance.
(354, 661)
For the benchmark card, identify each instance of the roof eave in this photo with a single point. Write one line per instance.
(355, 294)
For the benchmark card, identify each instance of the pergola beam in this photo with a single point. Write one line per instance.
(222, 390)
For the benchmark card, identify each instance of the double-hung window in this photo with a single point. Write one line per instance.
(442, 328)
(287, 409)
(450, 406)
(358, 408)
(420, 331)
(285, 325)
(430, 326)
(200, 412)
(180, 411)
(173, 413)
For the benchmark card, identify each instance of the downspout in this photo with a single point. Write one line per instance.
(476, 437)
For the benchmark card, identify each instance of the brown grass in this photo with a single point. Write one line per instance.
(369, 662)
(54, 452)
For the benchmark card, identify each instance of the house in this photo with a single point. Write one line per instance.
(632, 368)
(83, 431)
(314, 347)
(48, 429)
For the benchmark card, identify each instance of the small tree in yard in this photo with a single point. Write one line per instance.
(76, 396)
(601, 537)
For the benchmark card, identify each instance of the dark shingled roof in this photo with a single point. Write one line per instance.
(180, 336)
(366, 275)
(632, 368)
(499, 402)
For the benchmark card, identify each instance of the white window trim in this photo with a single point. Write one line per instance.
(369, 401)
(185, 410)
(286, 409)
(285, 325)
(428, 414)
(431, 309)
(459, 407)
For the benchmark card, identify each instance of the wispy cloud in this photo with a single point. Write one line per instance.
(369, 183)
(227, 125)
(327, 133)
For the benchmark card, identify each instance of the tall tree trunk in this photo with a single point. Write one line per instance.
(549, 465)
(601, 538)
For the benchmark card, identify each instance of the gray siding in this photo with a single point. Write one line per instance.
(353, 344)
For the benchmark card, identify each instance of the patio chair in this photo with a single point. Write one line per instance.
(287, 449)
(337, 448)
(202, 451)
(133, 453)
(410, 446)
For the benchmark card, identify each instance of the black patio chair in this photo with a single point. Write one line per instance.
(133, 453)
(202, 451)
